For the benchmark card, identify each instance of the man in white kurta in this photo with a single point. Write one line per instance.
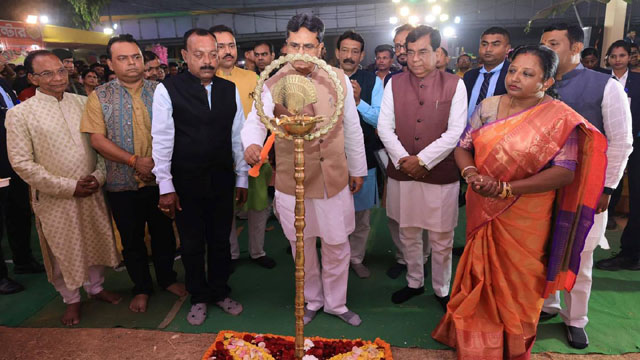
(422, 116)
(329, 210)
(48, 151)
(603, 101)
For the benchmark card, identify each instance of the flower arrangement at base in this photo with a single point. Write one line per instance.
(231, 345)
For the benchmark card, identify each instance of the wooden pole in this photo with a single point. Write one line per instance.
(614, 20)
(299, 225)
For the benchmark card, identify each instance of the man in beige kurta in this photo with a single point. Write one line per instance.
(48, 151)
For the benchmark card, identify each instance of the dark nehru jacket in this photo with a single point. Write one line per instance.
(372, 143)
(202, 155)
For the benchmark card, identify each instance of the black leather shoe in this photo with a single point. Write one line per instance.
(633, 265)
(9, 286)
(577, 337)
(617, 262)
(395, 270)
(30, 267)
(405, 294)
(458, 250)
(443, 301)
(265, 261)
(544, 316)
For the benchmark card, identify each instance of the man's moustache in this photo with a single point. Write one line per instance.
(207, 67)
(228, 56)
(348, 61)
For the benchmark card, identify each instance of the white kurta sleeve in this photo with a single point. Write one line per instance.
(353, 138)
(387, 127)
(163, 137)
(616, 116)
(22, 159)
(241, 167)
(101, 171)
(438, 150)
(254, 131)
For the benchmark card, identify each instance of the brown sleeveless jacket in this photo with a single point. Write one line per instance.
(324, 158)
(421, 109)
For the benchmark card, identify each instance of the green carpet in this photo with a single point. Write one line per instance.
(268, 296)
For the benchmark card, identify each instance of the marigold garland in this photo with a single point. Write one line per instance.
(242, 345)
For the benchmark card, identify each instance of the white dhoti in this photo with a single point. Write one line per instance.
(577, 301)
(415, 206)
(332, 220)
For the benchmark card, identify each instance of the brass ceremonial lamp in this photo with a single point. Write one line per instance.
(294, 92)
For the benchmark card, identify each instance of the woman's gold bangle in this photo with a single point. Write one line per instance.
(467, 168)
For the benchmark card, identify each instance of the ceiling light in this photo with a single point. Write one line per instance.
(429, 18)
(393, 20)
(436, 9)
(413, 20)
(444, 17)
(449, 32)
(396, 1)
(44, 19)
(115, 26)
(32, 19)
(457, 20)
(404, 11)
(108, 31)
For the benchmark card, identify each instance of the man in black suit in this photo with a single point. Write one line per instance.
(488, 80)
(15, 212)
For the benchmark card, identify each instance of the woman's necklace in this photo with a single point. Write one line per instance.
(511, 105)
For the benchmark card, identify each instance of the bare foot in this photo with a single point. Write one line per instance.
(177, 289)
(139, 303)
(71, 315)
(108, 296)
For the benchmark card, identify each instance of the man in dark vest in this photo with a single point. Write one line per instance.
(118, 117)
(423, 114)
(197, 118)
(399, 44)
(601, 100)
(367, 91)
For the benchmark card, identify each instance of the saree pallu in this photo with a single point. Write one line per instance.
(500, 281)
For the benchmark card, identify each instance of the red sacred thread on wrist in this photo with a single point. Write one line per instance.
(132, 161)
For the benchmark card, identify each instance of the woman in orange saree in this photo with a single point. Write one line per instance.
(534, 181)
